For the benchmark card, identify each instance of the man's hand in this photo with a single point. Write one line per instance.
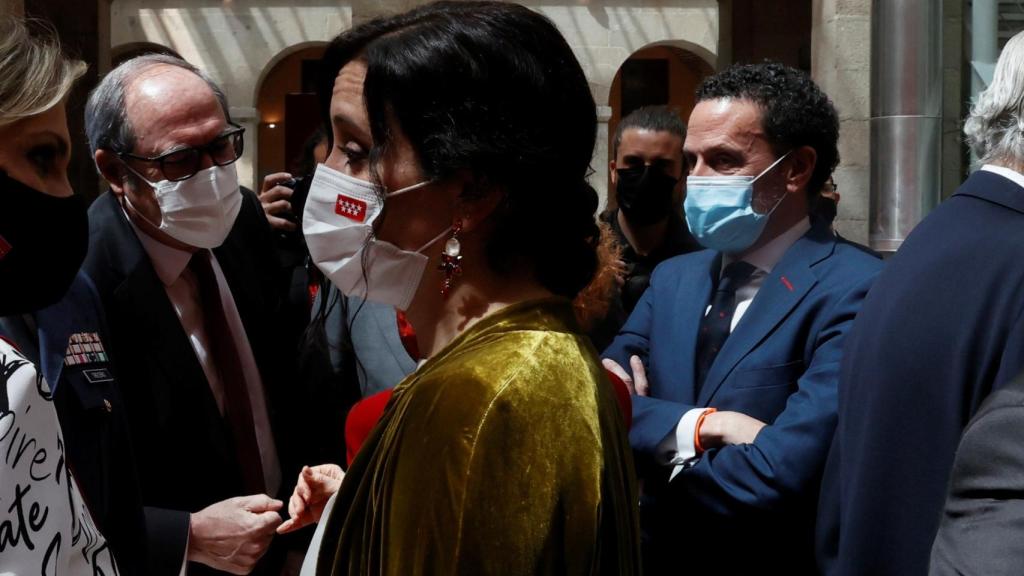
(637, 383)
(276, 201)
(724, 428)
(315, 487)
(234, 534)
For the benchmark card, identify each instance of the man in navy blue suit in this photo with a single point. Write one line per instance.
(942, 329)
(734, 351)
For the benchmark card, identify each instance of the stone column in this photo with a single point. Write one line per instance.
(599, 179)
(248, 118)
(841, 65)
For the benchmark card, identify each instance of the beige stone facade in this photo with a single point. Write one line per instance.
(238, 41)
(841, 65)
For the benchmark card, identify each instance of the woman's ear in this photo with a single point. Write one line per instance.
(801, 168)
(476, 203)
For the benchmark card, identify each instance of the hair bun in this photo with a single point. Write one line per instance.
(566, 257)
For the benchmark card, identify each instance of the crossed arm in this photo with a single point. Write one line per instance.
(748, 464)
(716, 430)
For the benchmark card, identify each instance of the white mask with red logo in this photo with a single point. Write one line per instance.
(338, 226)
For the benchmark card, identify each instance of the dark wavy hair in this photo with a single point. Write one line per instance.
(493, 89)
(794, 111)
(653, 118)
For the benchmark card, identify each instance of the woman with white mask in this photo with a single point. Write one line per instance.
(456, 190)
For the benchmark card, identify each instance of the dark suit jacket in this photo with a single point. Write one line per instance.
(352, 351)
(942, 327)
(982, 529)
(747, 506)
(95, 430)
(185, 457)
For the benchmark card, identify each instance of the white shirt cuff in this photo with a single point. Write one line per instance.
(677, 448)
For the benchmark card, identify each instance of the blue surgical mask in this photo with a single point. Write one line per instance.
(719, 211)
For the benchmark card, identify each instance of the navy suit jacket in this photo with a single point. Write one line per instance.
(780, 365)
(943, 327)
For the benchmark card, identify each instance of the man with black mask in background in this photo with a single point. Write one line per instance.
(647, 171)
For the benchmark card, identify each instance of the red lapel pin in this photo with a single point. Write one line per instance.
(787, 283)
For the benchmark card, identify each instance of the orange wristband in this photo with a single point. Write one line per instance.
(696, 430)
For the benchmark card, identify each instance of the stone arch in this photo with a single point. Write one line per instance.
(277, 59)
(683, 59)
(286, 112)
(662, 73)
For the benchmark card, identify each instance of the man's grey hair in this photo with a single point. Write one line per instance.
(995, 126)
(106, 114)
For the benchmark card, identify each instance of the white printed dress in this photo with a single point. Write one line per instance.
(45, 526)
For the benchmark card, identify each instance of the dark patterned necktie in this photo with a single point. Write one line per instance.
(715, 327)
(237, 408)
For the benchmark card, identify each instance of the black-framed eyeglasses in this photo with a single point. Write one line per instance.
(183, 163)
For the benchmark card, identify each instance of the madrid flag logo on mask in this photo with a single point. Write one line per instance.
(351, 208)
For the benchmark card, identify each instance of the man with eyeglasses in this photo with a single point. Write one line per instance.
(181, 261)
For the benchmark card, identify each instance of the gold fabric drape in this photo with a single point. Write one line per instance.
(503, 454)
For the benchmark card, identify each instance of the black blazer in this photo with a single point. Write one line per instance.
(185, 457)
(941, 328)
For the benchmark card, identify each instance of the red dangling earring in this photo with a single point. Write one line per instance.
(451, 259)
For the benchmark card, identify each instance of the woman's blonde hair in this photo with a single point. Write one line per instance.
(35, 75)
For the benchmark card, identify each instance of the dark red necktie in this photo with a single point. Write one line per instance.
(717, 324)
(237, 408)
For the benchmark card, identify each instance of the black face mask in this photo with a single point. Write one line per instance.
(644, 194)
(43, 241)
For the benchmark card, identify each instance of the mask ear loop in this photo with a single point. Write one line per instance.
(436, 238)
(768, 169)
(765, 171)
(152, 185)
(401, 191)
(451, 256)
(128, 201)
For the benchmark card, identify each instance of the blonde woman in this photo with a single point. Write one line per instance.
(45, 526)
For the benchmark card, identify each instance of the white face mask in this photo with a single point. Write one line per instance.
(338, 226)
(201, 210)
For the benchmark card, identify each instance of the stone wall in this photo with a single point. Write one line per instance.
(841, 65)
(236, 42)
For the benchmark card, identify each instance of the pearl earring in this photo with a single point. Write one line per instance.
(451, 260)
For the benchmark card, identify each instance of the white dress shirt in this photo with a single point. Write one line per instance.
(181, 284)
(677, 448)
